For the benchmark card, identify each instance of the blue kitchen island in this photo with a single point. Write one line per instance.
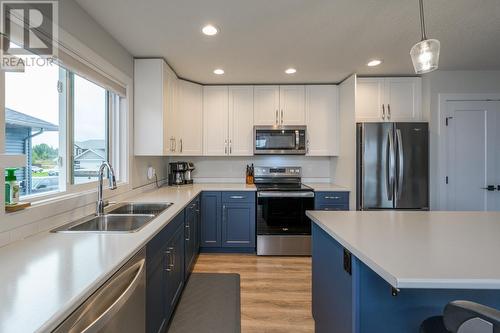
(387, 271)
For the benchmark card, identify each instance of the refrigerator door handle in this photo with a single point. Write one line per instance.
(399, 141)
(390, 166)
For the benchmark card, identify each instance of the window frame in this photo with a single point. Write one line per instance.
(116, 125)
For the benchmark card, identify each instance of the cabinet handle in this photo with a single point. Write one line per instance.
(281, 116)
(383, 111)
(307, 146)
(388, 111)
(333, 198)
(276, 117)
(188, 232)
(175, 144)
(230, 147)
(170, 261)
(181, 145)
(223, 212)
(237, 197)
(225, 147)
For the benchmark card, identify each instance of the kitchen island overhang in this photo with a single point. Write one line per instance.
(389, 270)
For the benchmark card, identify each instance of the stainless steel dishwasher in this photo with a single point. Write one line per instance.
(117, 306)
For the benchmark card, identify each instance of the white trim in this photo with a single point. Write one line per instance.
(442, 140)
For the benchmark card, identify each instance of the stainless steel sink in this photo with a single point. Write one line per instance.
(139, 208)
(120, 218)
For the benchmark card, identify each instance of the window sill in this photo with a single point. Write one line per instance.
(47, 208)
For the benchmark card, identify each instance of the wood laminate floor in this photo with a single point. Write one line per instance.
(275, 291)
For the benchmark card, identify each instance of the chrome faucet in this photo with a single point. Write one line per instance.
(112, 185)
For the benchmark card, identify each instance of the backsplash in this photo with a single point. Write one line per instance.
(232, 169)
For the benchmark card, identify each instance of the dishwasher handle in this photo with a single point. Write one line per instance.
(114, 305)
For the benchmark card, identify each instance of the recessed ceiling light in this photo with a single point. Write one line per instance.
(218, 71)
(291, 71)
(374, 62)
(210, 30)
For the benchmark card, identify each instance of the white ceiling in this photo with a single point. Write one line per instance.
(326, 40)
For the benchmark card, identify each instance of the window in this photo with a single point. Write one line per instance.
(63, 123)
(32, 123)
(90, 142)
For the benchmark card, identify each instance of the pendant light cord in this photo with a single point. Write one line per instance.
(422, 21)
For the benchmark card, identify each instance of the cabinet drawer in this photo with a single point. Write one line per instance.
(240, 196)
(332, 197)
(332, 207)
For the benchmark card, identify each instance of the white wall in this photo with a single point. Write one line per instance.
(449, 82)
(344, 167)
(232, 169)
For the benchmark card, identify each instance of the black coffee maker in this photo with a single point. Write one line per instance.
(176, 173)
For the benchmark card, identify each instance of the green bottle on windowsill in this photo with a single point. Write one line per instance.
(11, 187)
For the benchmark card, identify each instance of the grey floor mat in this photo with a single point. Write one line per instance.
(210, 303)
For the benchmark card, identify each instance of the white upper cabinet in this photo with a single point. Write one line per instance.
(240, 120)
(266, 105)
(292, 105)
(154, 100)
(403, 98)
(322, 120)
(228, 120)
(215, 120)
(389, 99)
(369, 99)
(189, 119)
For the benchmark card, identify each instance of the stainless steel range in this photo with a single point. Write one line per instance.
(282, 200)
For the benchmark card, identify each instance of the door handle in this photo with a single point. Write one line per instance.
(383, 112)
(390, 166)
(399, 185)
(490, 187)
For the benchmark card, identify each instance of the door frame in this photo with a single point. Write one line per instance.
(442, 161)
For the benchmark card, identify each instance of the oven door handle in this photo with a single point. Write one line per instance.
(285, 194)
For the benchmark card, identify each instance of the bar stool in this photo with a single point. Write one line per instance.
(463, 317)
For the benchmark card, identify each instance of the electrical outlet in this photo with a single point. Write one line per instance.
(151, 173)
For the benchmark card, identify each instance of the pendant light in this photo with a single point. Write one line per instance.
(425, 54)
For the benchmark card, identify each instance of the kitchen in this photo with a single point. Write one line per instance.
(132, 207)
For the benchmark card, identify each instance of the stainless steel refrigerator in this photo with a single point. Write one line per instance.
(392, 166)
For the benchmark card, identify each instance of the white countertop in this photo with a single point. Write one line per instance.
(450, 250)
(45, 277)
(328, 187)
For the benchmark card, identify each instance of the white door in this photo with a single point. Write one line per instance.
(403, 99)
(215, 120)
(266, 105)
(369, 100)
(190, 119)
(473, 155)
(292, 105)
(241, 120)
(322, 120)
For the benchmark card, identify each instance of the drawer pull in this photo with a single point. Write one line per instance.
(332, 198)
(237, 197)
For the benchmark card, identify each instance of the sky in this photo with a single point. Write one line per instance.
(34, 92)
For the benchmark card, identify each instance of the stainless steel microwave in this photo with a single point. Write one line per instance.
(284, 140)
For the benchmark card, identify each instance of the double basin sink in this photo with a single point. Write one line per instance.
(119, 218)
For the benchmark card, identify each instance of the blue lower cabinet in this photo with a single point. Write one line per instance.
(332, 285)
(211, 214)
(228, 221)
(164, 274)
(238, 224)
(331, 200)
(191, 236)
